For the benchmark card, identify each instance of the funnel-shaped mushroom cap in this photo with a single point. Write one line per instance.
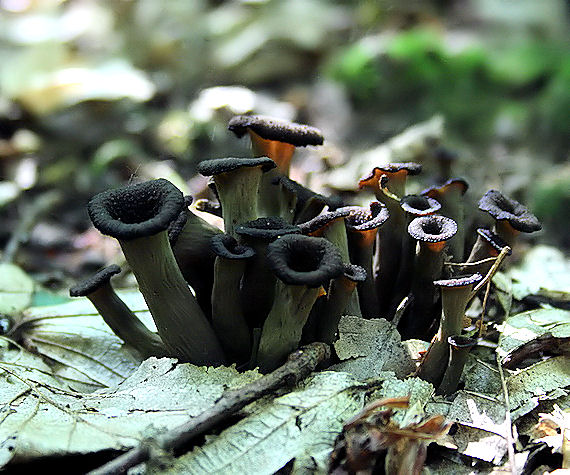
(276, 129)
(323, 220)
(176, 226)
(354, 273)
(459, 281)
(361, 219)
(432, 229)
(493, 240)
(217, 166)
(391, 170)
(503, 208)
(226, 247)
(134, 211)
(455, 184)
(91, 284)
(267, 229)
(419, 205)
(302, 260)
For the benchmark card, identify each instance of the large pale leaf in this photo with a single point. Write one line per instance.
(80, 346)
(367, 347)
(301, 425)
(42, 416)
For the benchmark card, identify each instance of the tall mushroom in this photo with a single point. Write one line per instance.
(237, 183)
(228, 317)
(124, 323)
(432, 233)
(455, 294)
(138, 216)
(302, 265)
(450, 195)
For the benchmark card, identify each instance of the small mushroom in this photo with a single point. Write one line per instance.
(124, 323)
(302, 265)
(459, 349)
(511, 217)
(227, 311)
(361, 227)
(450, 195)
(237, 183)
(308, 204)
(388, 183)
(455, 294)
(275, 138)
(258, 284)
(138, 216)
(432, 233)
(414, 206)
(331, 226)
(336, 300)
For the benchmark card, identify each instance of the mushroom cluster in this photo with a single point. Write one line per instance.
(290, 262)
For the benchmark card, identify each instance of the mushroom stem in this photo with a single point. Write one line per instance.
(124, 323)
(459, 349)
(227, 312)
(138, 216)
(178, 317)
(455, 294)
(340, 291)
(283, 326)
(190, 241)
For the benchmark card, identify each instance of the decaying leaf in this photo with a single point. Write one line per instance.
(373, 433)
(81, 348)
(301, 425)
(42, 416)
(368, 347)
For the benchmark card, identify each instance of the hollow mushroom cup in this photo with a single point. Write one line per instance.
(302, 265)
(414, 206)
(228, 317)
(388, 183)
(138, 216)
(237, 184)
(511, 217)
(455, 294)
(124, 323)
(258, 283)
(276, 139)
(450, 196)
(331, 226)
(190, 238)
(361, 228)
(431, 233)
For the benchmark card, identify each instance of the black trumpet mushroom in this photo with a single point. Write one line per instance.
(124, 323)
(302, 265)
(138, 216)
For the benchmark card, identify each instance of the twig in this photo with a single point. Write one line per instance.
(508, 421)
(484, 309)
(299, 365)
(500, 258)
(467, 264)
(404, 304)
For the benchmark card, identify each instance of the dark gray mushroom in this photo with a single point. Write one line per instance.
(124, 323)
(302, 265)
(138, 216)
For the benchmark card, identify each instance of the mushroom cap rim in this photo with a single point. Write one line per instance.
(91, 284)
(217, 166)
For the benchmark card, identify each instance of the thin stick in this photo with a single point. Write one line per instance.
(508, 421)
(404, 304)
(500, 258)
(299, 365)
(467, 264)
(484, 309)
